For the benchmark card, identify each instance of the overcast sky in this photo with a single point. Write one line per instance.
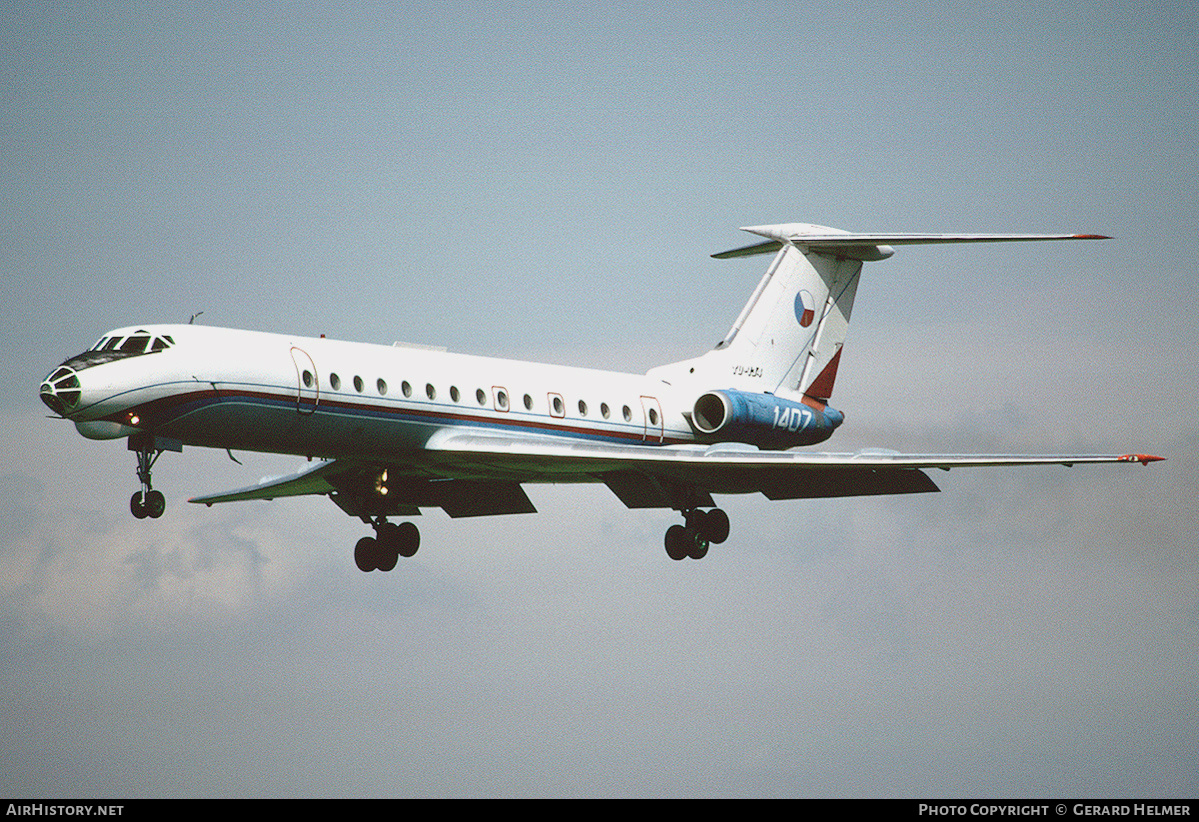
(548, 183)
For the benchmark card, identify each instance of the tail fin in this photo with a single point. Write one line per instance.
(788, 338)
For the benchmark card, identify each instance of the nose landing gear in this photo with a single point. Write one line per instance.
(148, 502)
(702, 528)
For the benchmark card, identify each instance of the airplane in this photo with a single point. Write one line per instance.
(390, 429)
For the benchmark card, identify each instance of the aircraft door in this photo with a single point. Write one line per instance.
(308, 389)
(651, 414)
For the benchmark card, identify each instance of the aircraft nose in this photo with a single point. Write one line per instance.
(60, 391)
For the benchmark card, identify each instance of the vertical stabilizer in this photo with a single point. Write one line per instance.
(789, 337)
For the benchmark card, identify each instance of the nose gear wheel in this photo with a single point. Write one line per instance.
(146, 502)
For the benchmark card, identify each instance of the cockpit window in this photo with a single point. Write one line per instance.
(135, 344)
(119, 347)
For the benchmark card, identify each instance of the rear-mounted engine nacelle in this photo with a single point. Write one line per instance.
(762, 419)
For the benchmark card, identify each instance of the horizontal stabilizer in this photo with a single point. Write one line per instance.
(870, 246)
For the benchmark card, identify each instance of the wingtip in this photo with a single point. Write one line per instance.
(1143, 459)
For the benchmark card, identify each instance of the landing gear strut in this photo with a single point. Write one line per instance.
(146, 502)
(702, 528)
(390, 542)
(148, 447)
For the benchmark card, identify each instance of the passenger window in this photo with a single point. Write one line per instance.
(454, 395)
(382, 386)
(557, 408)
(335, 382)
(653, 416)
(358, 383)
(430, 391)
(582, 408)
(604, 410)
(628, 414)
(307, 377)
(501, 399)
(528, 402)
(481, 396)
(406, 388)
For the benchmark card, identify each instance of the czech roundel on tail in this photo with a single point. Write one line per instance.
(391, 429)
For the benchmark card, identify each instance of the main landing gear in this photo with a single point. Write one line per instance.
(390, 542)
(702, 529)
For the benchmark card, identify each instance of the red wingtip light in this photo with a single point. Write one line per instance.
(1143, 459)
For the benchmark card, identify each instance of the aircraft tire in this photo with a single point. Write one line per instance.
(387, 558)
(366, 554)
(137, 505)
(155, 504)
(677, 539)
(407, 539)
(387, 543)
(715, 526)
(698, 547)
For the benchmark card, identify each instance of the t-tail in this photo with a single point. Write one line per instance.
(782, 354)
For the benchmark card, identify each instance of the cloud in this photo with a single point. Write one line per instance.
(831, 647)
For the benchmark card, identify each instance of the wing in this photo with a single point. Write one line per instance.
(366, 491)
(479, 473)
(686, 476)
(310, 480)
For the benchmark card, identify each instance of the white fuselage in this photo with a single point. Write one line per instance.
(317, 397)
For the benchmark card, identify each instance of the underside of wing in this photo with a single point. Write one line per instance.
(686, 476)
(312, 479)
(481, 474)
(378, 491)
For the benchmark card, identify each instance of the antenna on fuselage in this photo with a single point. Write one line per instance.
(193, 319)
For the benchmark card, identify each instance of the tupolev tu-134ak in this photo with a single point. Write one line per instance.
(389, 430)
